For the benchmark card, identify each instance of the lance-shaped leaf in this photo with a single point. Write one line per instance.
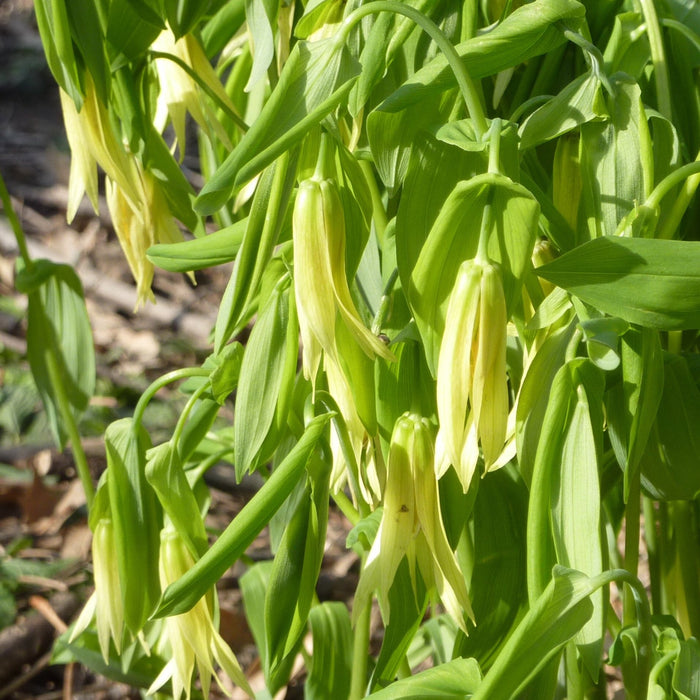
(183, 594)
(262, 374)
(59, 341)
(54, 27)
(579, 102)
(669, 464)
(315, 79)
(558, 613)
(295, 569)
(575, 501)
(653, 283)
(457, 679)
(633, 403)
(165, 473)
(616, 160)
(137, 520)
(263, 227)
(331, 663)
(216, 248)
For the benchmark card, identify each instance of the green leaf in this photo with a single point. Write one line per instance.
(408, 602)
(540, 546)
(498, 587)
(315, 79)
(686, 674)
(556, 615)
(456, 679)
(434, 170)
(265, 222)
(180, 596)
(575, 505)
(59, 343)
(198, 425)
(635, 400)
(260, 16)
(213, 249)
(184, 15)
(579, 102)
(226, 376)
(128, 31)
(137, 520)
(602, 336)
(669, 465)
(296, 567)
(361, 536)
(331, 663)
(616, 160)
(89, 35)
(529, 31)
(54, 28)
(262, 374)
(165, 473)
(8, 607)
(653, 283)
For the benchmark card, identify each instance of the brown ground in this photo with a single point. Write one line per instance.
(42, 513)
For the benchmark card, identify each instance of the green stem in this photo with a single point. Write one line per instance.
(378, 211)
(158, 384)
(360, 651)
(495, 147)
(14, 223)
(670, 181)
(482, 254)
(69, 422)
(652, 544)
(526, 106)
(182, 420)
(464, 80)
(346, 507)
(673, 220)
(684, 528)
(644, 650)
(572, 347)
(658, 58)
(594, 56)
(235, 118)
(384, 303)
(632, 520)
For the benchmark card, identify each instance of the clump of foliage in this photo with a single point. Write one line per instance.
(477, 221)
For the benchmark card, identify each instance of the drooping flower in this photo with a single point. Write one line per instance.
(411, 526)
(179, 91)
(135, 198)
(472, 382)
(105, 604)
(192, 636)
(321, 284)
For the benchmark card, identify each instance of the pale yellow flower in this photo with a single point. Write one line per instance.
(412, 526)
(472, 381)
(194, 641)
(105, 604)
(180, 93)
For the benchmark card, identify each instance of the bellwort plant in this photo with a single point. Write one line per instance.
(466, 259)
